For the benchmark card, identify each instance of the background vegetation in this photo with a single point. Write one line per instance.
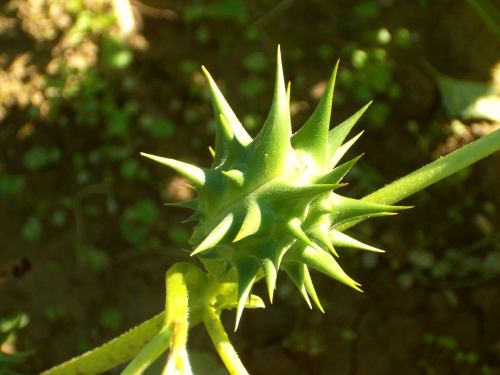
(86, 240)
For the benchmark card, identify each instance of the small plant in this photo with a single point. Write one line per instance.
(266, 204)
(9, 357)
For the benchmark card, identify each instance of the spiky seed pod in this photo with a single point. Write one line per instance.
(268, 203)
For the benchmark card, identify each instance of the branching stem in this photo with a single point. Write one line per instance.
(221, 342)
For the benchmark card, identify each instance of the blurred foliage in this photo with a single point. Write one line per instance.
(444, 347)
(469, 100)
(9, 356)
(83, 94)
(488, 12)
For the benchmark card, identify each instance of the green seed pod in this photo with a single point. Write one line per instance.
(268, 203)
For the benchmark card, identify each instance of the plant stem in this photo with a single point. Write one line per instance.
(175, 326)
(434, 172)
(149, 353)
(222, 344)
(125, 346)
(437, 170)
(112, 353)
(177, 317)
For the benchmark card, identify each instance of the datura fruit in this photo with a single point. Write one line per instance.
(272, 202)
(266, 204)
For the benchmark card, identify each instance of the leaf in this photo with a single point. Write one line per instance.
(39, 157)
(469, 100)
(32, 230)
(11, 323)
(157, 127)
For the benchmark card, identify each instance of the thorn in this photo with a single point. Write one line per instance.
(235, 176)
(309, 192)
(337, 135)
(295, 271)
(222, 107)
(309, 286)
(251, 222)
(323, 262)
(296, 231)
(194, 217)
(247, 271)
(339, 154)
(271, 148)
(338, 173)
(216, 235)
(312, 137)
(342, 239)
(190, 204)
(270, 273)
(195, 174)
(226, 128)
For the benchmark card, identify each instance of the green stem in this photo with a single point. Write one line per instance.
(434, 172)
(222, 344)
(175, 326)
(149, 353)
(488, 12)
(112, 353)
(176, 318)
(120, 349)
(437, 170)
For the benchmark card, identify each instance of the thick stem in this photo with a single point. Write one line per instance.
(437, 170)
(222, 344)
(112, 353)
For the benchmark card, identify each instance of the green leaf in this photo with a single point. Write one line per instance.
(469, 100)
(11, 185)
(160, 128)
(12, 359)
(96, 259)
(143, 211)
(38, 157)
(232, 10)
(115, 54)
(252, 86)
(32, 229)
(256, 62)
(11, 323)
(367, 9)
(111, 318)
